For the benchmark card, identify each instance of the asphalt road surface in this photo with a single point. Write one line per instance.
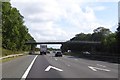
(48, 66)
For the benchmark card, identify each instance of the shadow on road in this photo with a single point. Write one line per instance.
(111, 59)
(34, 54)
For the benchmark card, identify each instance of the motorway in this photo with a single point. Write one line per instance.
(48, 66)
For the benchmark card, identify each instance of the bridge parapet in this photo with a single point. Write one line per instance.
(67, 42)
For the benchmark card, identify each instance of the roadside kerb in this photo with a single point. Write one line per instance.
(14, 55)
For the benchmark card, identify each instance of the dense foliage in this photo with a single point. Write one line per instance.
(105, 36)
(118, 37)
(14, 32)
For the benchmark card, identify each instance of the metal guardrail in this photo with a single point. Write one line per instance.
(14, 55)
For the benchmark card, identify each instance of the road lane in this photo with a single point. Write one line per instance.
(71, 67)
(112, 66)
(29, 67)
(67, 71)
(94, 62)
(38, 69)
(79, 68)
(101, 64)
(16, 68)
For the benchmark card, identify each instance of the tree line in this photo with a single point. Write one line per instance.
(14, 32)
(110, 42)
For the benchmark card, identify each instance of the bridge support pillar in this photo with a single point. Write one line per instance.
(32, 49)
(93, 49)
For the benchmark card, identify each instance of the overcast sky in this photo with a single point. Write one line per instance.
(60, 20)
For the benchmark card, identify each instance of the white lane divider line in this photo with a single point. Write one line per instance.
(101, 65)
(115, 64)
(76, 59)
(60, 59)
(28, 69)
(68, 65)
(56, 59)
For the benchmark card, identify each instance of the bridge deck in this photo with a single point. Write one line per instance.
(67, 42)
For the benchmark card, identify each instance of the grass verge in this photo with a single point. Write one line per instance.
(9, 52)
(6, 52)
(9, 59)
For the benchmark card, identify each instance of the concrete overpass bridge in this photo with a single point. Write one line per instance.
(61, 42)
(92, 43)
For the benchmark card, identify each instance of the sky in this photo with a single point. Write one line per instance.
(61, 20)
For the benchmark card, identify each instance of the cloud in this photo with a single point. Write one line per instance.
(100, 8)
(57, 19)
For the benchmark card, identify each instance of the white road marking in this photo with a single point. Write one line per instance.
(64, 56)
(60, 59)
(56, 59)
(95, 68)
(68, 65)
(101, 65)
(28, 69)
(76, 59)
(49, 67)
(115, 64)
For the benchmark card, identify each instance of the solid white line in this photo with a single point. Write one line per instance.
(28, 69)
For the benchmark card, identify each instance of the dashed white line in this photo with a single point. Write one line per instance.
(28, 69)
(60, 59)
(76, 59)
(115, 64)
(101, 65)
(68, 65)
(56, 59)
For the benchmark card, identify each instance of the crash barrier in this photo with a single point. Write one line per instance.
(9, 56)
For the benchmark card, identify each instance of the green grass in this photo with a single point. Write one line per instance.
(9, 59)
(9, 52)
(0, 52)
(6, 52)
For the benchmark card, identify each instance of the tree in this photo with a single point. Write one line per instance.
(81, 37)
(118, 37)
(100, 33)
(14, 32)
(104, 35)
(110, 43)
